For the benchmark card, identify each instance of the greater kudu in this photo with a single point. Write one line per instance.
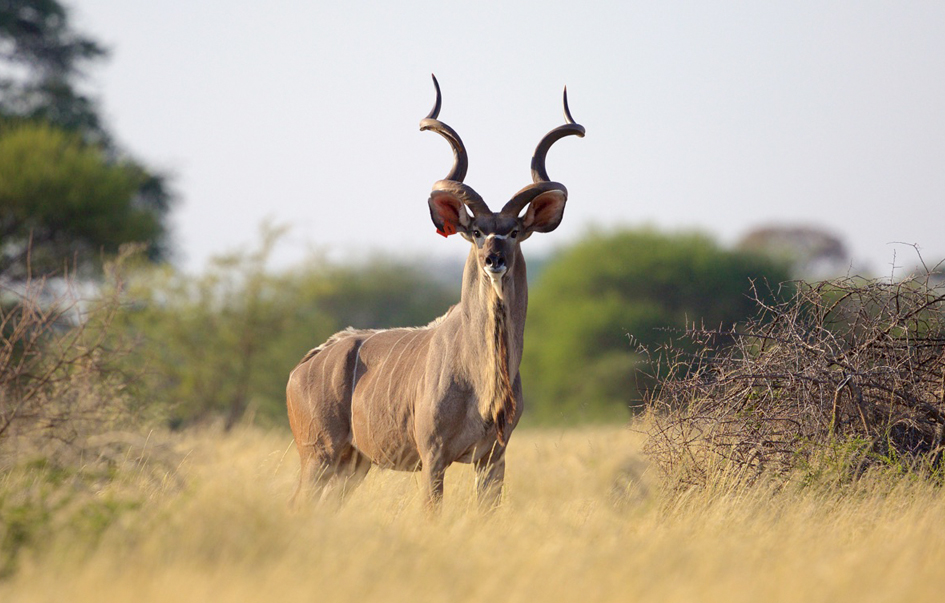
(423, 398)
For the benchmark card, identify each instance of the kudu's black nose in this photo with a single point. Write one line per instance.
(495, 261)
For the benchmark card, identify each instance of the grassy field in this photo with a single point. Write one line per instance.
(584, 520)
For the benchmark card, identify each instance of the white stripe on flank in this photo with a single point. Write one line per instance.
(354, 382)
(357, 358)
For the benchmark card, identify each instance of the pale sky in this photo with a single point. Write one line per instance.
(717, 116)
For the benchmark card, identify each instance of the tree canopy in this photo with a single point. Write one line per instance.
(61, 197)
(812, 252)
(68, 194)
(45, 58)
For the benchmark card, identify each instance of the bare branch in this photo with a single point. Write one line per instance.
(773, 399)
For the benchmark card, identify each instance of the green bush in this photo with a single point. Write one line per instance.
(597, 301)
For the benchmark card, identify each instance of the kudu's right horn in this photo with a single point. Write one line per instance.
(453, 183)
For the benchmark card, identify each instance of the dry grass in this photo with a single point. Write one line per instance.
(580, 523)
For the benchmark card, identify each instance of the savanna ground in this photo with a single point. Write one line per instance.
(203, 516)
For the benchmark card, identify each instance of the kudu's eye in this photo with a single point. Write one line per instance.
(477, 234)
(514, 233)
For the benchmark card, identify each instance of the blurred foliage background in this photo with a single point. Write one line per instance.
(219, 345)
(222, 343)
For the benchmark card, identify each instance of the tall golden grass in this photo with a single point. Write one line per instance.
(583, 520)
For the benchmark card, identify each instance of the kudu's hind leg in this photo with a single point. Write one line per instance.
(314, 478)
(353, 467)
(331, 476)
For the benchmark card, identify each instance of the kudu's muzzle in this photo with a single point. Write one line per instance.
(495, 265)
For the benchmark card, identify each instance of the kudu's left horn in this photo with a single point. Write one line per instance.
(539, 174)
(541, 182)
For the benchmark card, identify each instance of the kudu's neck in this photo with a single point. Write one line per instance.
(480, 299)
(493, 332)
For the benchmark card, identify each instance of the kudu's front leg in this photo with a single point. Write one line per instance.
(490, 475)
(431, 475)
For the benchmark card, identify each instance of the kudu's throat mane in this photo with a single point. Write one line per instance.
(500, 398)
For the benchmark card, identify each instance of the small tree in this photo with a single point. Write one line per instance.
(810, 251)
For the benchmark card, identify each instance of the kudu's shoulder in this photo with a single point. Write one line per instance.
(439, 319)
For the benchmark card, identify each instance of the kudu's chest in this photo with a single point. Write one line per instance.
(407, 391)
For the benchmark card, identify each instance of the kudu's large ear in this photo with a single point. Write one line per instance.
(545, 211)
(448, 213)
